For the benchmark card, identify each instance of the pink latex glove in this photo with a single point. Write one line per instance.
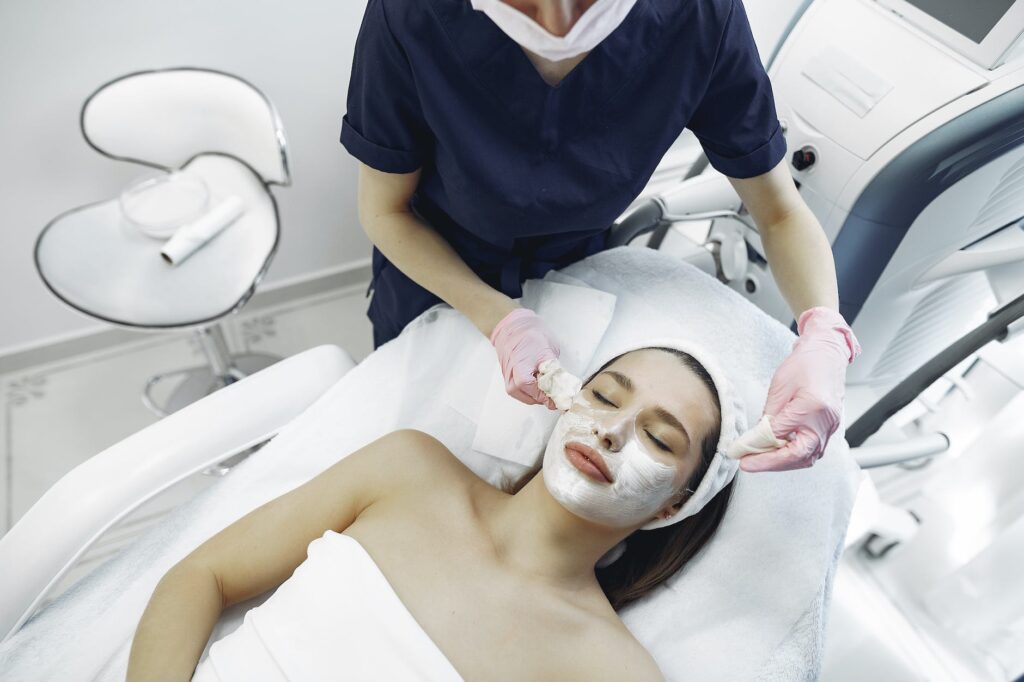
(523, 342)
(805, 398)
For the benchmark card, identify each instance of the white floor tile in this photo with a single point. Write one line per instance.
(952, 592)
(55, 417)
(62, 415)
(337, 318)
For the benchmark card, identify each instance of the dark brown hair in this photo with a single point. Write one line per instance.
(653, 556)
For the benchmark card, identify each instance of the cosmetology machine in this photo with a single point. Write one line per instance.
(905, 127)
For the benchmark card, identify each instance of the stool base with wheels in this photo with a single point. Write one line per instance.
(198, 382)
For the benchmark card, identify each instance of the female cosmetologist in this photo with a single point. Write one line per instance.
(499, 139)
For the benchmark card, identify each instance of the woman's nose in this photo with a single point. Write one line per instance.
(613, 431)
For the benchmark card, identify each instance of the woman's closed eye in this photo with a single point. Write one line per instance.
(657, 442)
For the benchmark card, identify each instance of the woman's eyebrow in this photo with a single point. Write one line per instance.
(671, 420)
(622, 379)
(659, 411)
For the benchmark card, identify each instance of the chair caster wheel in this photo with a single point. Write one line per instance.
(876, 546)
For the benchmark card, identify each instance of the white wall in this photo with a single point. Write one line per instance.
(53, 54)
(768, 20)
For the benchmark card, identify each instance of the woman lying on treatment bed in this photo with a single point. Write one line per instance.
(441, 576)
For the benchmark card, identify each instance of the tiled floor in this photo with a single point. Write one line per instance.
(55, 417)
(948, 604)
(95, 399)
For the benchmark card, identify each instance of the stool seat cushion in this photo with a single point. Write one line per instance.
(96, 261)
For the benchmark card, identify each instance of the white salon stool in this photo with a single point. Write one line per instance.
(207, 125)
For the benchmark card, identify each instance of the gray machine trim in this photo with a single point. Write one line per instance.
(905, 392)
(894, 199)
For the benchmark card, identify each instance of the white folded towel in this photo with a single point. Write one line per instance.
(336, 618)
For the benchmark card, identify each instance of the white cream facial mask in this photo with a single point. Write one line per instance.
(640, 485)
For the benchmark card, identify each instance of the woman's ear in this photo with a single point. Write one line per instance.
(670, 509)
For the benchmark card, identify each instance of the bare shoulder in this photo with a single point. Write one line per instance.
(431, 452)
(613, 653)
(413, 457)
(260, 550)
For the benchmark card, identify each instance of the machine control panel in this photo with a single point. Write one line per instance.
(804, 158)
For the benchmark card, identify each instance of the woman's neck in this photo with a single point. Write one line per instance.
(535, 535)
(557, 17)
(553, 73)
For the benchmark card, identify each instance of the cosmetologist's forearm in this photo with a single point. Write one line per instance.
(426, 258)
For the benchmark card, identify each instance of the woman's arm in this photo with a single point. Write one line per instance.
(259, 552)
(420, 252)
(176, 625)
(795, 243)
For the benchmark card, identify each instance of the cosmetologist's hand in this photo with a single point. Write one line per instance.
(522, 342)
(805, 398)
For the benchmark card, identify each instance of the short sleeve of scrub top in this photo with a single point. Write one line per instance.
(521, 176)
(736, 121)
(384, 124)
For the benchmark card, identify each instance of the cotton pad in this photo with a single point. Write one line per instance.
(758, 439)
(559, 384)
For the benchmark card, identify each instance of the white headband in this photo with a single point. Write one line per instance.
(734, 423)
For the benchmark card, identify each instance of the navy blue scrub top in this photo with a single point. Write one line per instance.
(520, 176)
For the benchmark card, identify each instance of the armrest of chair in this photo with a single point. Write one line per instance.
(44, 544)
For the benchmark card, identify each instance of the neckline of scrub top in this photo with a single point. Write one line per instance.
(501, 68)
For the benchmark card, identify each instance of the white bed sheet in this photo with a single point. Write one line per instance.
(751, 606)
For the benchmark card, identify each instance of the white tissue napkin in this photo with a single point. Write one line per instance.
(758, 439)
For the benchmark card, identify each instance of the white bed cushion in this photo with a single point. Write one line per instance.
(750, 606)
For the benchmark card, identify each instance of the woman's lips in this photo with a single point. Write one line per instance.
(588, 461)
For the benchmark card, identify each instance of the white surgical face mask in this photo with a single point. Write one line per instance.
(640, 485)
(598, 20)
